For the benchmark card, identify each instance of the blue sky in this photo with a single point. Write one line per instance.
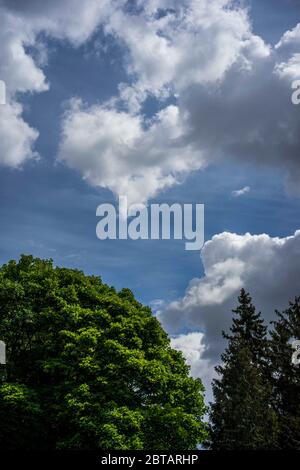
(48, 208)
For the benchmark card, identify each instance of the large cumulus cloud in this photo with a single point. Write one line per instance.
(231, 90)
(267, 267)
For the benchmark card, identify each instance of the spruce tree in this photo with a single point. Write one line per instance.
(241, 416)
(286, 376)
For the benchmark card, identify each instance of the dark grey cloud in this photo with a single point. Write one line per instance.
(248, 117)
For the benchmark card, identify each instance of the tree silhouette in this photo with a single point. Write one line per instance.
(242, 416)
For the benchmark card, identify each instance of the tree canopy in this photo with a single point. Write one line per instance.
(89, 367)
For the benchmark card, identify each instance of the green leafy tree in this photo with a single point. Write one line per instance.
(89, 367)
(242, 416)
(286, 376)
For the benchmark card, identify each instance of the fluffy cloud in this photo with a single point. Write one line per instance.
(17, 68)
(114, 149)
(267, 267)
(74, 20)
(288, 52)
(290, 40)
(193, 42)
(20, 74)
(20, 25)
(16, 137)
(232, 94)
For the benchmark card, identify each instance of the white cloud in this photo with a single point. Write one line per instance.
(196, 41)
(287, 49)
(266, 267)
(289, 70)
(17, 68)
(74, 20)
(289, 39)
(16, 137)
(124, 152)
(233, 95)
(20, 24)
(193, 348)
(241, 192)
(20, 74)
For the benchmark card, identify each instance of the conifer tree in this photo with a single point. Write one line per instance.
(286, 376)
(242, 416)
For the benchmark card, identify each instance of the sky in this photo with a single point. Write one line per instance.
(162, 101)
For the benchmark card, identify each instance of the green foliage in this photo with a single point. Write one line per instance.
(89, 368)
(242, 416)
